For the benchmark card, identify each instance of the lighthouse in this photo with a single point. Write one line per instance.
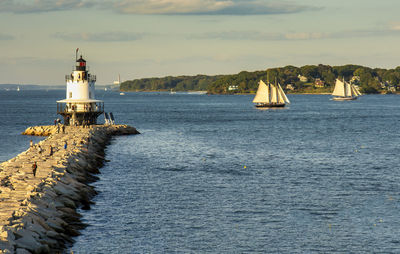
(80, 106)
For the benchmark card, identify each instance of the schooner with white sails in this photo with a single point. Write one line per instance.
(269, 96)
(344, 91)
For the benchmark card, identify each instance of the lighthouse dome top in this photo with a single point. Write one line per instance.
(81, 64)
(81, 60)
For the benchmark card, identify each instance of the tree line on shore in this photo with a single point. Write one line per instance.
(309, 78)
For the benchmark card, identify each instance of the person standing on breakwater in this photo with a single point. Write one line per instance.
(31, 143)
(65, 145)
(58, 128)
(39, 149)
(50, 150)
(34, 168)
(63, 128)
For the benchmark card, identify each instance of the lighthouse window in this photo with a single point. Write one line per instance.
(70, 95)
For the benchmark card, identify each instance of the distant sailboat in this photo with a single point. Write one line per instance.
(18, 89)
(172, 91)
(118, 82)
(344, 91)
(269, 96)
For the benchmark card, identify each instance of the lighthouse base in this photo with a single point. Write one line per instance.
(80, 114)
(80, 118)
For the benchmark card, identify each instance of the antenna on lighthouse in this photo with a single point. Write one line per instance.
(76, 54)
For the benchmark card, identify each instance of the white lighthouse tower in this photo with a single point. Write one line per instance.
(80, 106)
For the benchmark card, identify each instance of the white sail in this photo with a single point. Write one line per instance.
(263, 93)
(339, 89)
(348, 90)
(274, 94)
(283, 95)
(345, 90)
(270, 94)
(355, 90)
(279, 97)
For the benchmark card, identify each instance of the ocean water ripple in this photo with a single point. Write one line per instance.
(212, 174)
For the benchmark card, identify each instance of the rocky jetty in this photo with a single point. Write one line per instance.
(38, 209)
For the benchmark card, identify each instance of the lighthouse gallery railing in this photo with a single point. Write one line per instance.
(97, 107)
(90, 78)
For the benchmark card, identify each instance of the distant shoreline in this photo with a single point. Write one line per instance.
(205, 92)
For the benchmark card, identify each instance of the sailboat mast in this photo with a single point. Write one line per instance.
(276, 90)
(269, 92)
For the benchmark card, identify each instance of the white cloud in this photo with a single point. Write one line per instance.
(263, 36)
(209, 7)
(165, 7)
(293, 36)
(30, 6)
(170, 6)
(6, 37)
(238, 35)
(99, 37)
(306, 36)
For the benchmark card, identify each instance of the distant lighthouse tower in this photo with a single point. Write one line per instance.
(80, 106)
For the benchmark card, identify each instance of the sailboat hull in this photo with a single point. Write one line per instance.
(344, 98)
(270, 105)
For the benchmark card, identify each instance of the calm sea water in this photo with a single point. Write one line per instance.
(212, 174)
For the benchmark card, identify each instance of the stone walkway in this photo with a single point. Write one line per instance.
(18, 185)
(16, 177)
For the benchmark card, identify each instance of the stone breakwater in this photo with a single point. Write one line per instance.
(38, 213)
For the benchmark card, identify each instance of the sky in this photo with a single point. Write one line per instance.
(157, 38)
